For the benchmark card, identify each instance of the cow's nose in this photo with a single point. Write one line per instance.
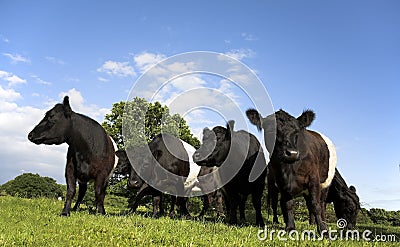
(196, 157)
(133, 183)
(291, 154)
(30, 136)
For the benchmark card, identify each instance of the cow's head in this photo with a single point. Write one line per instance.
(348, 206)
(54, 128)
(140, 162)
(288, 133)
(215, 146)
(123, 165)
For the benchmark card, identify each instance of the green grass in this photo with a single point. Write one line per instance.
(36, 222)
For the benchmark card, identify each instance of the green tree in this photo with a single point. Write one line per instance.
(144, 121)
(30, 185)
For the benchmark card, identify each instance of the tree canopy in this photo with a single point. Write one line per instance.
(30, 185)
(143, 121)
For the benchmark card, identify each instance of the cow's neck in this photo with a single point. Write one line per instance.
(80, 134)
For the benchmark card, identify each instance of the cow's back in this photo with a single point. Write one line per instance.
(324, 154)
(252, 171)
(172, 155)
(92, 149)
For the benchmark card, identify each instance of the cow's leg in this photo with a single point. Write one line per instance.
(157, 204)
(273, 195)
(311, 217)
(287, 211)
(161, 204)
(315, 193)
(71, 185)
(81, 194)
(256, 199)
(143, 191)
(207, 199)
(172, 207)
(242, 208)
(100, 186)
(220, 208)
(324, 195)
(182, 204)
(182, 201)
(234, 200)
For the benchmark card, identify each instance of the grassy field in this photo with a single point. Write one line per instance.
(36, 222)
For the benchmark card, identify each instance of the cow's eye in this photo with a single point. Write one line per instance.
(50, 117)
(50, 120)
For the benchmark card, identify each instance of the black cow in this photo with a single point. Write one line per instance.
(136, 181)
(301, 160)
(240, 151)
(169, 152)
(91, 152)
(345, 200)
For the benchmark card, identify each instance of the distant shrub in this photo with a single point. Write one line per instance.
(380, 216)
(30, 185)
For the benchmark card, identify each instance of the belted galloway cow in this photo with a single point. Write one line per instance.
(301, 161)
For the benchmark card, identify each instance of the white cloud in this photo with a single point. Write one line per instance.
(11, 78)
(55, 60)
(248, 37)
(78, 104)
(102, 79)
(4, 39)
(188, 82)
(146, 60)
(240, 54)
(18, 154)
(16, 58)
(14, 80)
(40, 81)
(122, 69)
(9, 95)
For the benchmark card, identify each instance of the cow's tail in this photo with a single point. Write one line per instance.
(115, 157)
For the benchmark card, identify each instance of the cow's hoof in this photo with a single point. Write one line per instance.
(288, 229)
(260, 224)
(187, 217)
(65, 214)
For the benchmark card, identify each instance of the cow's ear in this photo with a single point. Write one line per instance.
(67, 107)
(306, 118)
(254, 117)
(229, 126)
(206, 133)
(120, 153)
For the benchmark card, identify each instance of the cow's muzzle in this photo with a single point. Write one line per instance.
(134, 183)
(291, 155)
(197, 157)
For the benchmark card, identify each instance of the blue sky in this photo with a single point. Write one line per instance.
(339, 58)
